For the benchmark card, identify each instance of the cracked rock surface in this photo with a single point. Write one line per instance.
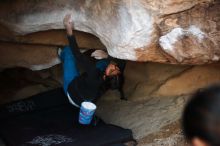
(175, 32)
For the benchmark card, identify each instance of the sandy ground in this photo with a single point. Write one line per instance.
(143, 117)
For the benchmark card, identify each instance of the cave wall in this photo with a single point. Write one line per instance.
(38, 50)
(150, 80)
(142, 80)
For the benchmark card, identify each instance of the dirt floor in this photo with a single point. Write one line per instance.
(154, 122)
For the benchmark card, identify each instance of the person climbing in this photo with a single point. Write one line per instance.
(107, 73)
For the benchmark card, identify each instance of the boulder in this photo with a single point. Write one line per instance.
(52, 38)
(34, 57)
(192, 36)
(176, 32)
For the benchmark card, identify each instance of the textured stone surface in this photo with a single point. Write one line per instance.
(34, 57)
(144, 117)
(145, 78)
(192, 37)
(173, 31)
(169, 135)
(53, 38)
(189, 81)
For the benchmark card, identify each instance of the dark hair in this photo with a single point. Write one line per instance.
(115, 81)
(201, 116)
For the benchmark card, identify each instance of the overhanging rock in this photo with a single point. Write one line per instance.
(140, 30)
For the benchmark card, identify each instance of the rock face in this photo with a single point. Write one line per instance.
(176, 32)
(52, 38)
(29, 56)
(192, 36)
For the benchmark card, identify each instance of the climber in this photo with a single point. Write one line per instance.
(107, 73)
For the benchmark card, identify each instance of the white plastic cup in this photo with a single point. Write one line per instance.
(86, 113)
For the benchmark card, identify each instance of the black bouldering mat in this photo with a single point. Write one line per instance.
(47, 119)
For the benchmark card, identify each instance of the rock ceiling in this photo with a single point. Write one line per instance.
(171, 31)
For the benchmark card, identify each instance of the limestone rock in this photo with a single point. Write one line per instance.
(148, 80)
(52, 38)
(192, 37)
(143, 79)
(189, 81)
(34, 57)
(181, 32)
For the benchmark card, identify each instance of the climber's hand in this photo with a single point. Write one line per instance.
(67, 22)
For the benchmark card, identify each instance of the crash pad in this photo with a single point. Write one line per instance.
(48, 119)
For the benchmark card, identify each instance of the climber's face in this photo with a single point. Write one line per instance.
(112, 70)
